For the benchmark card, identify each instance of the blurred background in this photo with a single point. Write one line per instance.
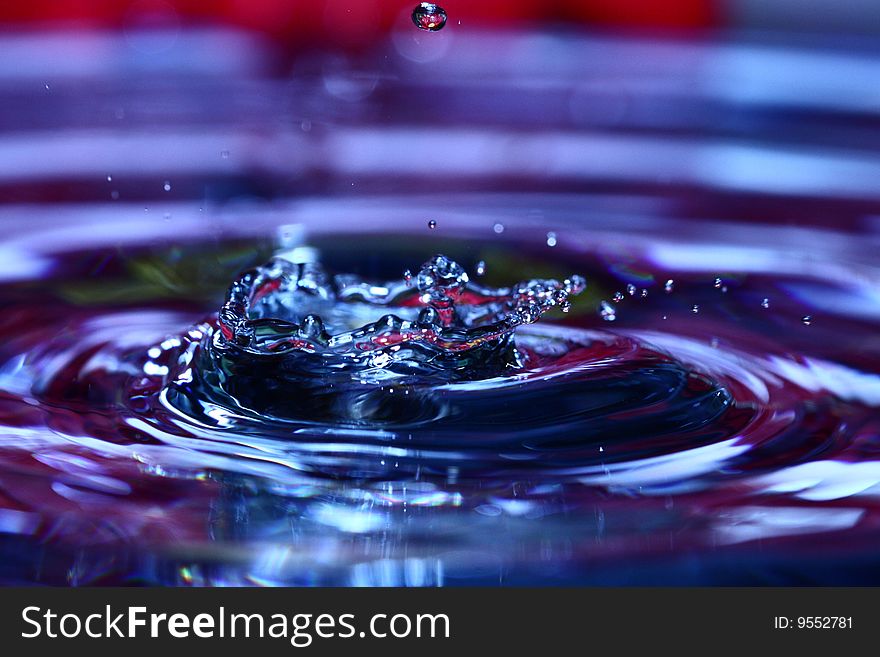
(185, 105)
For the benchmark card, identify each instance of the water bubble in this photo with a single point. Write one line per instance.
(167, 186)
(428, 16)
(551, 239)
(765, 303)
(498, 228)
(481, 268)
(618, 297)
(607, 311)
(807, 320)
(668, 286)
(631, 289)
(432, 224)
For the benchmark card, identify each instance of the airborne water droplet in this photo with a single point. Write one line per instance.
(481, 268)
(167, 186)
(551, 239)
(718, 283)
(807, 320)
(765, 303)
(498, 228)
(428, 16)
(695, 309)
(432, 224)
(668, 286)
(618, 297)
(607, 311)
(631, 289)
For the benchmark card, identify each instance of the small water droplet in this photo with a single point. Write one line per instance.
(498, 228)
(481, 268)
(607, 311)
(765, 303)
(631, 289)
(46, 85)
(718, 283)
(644, 292)
(618, 297)
(407, 276)
(668, 286)
(432, 224)
(428, 16)
(807, 320)
(695, 309)
(167, 186)
(551, 239)
(109, 178)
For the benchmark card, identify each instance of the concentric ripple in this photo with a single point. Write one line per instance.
(133, 413)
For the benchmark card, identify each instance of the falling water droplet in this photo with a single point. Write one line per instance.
(498, 228)
(109, 178)
(807, 320)
(167, 186)
(551, 239)
(668, 286)
(644, 292)
(718, 283)
(765, 303)
(618, 297)
(695, 309)
(631, 289)
(428, 16)
(432, 224)
(607, 311)
(481, 268)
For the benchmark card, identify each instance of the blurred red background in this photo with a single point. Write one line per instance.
(352, 22)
